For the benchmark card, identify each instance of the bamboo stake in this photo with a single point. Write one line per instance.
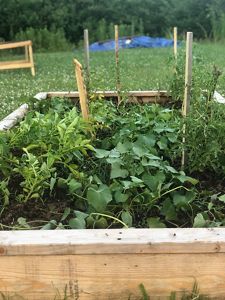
(187, 90)
(81, 89)
(118, 86)
(87, 57)
(175, 42)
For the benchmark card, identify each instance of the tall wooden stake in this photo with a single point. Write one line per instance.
(187, 89)
(175, 42)
(81, 89)
(118, 86)
(87, 57)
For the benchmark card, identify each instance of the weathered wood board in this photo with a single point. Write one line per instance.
(19, 64)
(111, 264)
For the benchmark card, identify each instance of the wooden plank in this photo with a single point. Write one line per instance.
(140, 97)
(112, 241)
(14, 45)
(81, 89)
(26, 53)
(11, 62)
(106, 270)
(96, 274)
(17, 65)
(102, 277)
(13, 118)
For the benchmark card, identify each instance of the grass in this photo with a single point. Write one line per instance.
(55, 71)
(141, 69)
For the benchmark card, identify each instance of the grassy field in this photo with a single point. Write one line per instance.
(141, 69)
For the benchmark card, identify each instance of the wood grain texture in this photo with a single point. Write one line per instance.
(15, 45)
(111, 264)
(112, 241)
(115, 276)
(81, 89)
(133, 96)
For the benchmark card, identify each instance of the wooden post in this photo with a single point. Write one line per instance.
(87, 57)
(26, 53)
(30, 51)
(118, 86)
(175, 42)
(187, 89)
(81, 89)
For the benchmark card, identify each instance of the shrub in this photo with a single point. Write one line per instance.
(45, 40)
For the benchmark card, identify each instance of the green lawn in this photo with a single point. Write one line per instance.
(141, 69)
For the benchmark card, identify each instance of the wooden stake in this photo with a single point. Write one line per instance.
(87, 56)
(175, 42)
(118, 86)
(187, 90)
(81, 89)
(188, 74)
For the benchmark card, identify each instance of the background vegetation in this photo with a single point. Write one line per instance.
(66, 19)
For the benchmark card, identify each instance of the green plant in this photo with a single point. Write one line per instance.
(44, 39)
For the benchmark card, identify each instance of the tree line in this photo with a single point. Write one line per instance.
(66, 19)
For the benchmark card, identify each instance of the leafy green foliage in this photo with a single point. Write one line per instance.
(115, 169)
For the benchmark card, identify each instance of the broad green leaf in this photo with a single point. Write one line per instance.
(74, 185)
(136, 180)
(99, 197)
(171, 169)
(77, 223)
(127, 218)
(199, 221)
(116, 171)
(222, 198)
(155, 223)
(139, 149)
(114, 153)
(179, 200)
(101, 223)
(123, 147)
(154, 182)
(150, 163)
(50, 225)
(120, 197)
(162, 143)
(148, 139)
(168, 210)
(101, 153)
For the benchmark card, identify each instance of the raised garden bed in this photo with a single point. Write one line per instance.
(120, 174)
(110, 263)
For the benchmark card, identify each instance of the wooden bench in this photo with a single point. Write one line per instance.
(28, 62)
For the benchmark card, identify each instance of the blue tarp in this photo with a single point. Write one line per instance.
(132, 42)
